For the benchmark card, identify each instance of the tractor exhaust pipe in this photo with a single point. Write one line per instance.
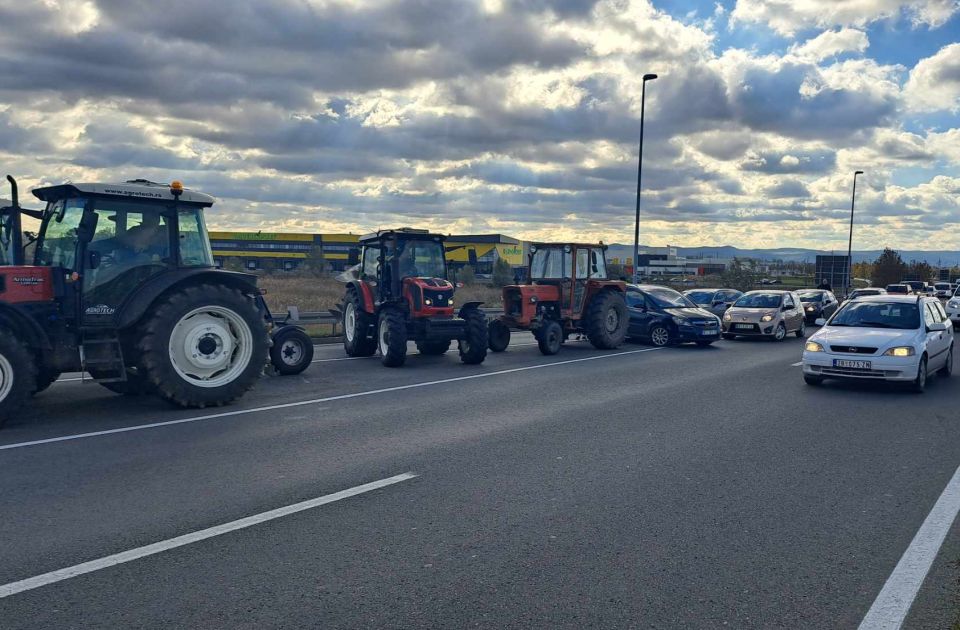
(14, 194)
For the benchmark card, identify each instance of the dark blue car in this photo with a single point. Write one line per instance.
(664, 317)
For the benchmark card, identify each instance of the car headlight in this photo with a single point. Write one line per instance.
(900, 351)
(727, 317)
(810, 309)
(813, 346)
(679, 321)
(954, 303)
(767, 318)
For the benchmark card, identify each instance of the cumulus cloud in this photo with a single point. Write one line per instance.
(830, 43)
(789, 16)
(934, 83)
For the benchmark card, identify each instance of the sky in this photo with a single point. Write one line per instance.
(513, 116)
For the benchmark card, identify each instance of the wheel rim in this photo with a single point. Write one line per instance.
(384, 337)
(291, 352)
(781, 332)
(6, 377)
(211, 346)
(350, 321)
(660, 336)
(612, 320)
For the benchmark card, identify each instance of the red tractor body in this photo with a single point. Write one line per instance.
(27, 284)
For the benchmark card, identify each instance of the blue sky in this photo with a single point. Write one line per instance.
(514, 116)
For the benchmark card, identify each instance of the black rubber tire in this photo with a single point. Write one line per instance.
(393, 348)
(279, 356)
(728, 336)
(363, 344)
(549, 337)
(135, 385)
(473, 347)
(919, 385)
(499, 335)
(812, 380)
(704, 344)
(802, 331)
(661, 341)
(947, 370)
(45, 378)
(23, 369)
(432, 348)
(602, 308)
(155, 355)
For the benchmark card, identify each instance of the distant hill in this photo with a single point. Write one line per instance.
(946, 258)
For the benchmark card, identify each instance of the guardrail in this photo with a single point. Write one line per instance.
(297, 317)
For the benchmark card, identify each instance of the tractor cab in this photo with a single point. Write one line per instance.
(112, 238)
(567, 292)
(408, 266)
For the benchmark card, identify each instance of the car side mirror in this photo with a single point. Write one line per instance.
(820, 321)
(937, 327)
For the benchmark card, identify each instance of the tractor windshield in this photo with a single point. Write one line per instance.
(550, 262)
(421, 259)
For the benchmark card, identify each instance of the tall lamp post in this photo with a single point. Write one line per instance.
(636, 227)
(853, 200)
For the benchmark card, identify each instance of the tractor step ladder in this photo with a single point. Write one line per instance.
(107, 357)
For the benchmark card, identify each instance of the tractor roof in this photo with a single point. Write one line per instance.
(135, 188)
(406, 232)
(542, 245)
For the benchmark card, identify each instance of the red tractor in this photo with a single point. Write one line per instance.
(122, 286)
(567, 292)
(399, 293)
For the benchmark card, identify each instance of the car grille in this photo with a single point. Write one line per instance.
(703, 323)
(857, 372)
(853, 349)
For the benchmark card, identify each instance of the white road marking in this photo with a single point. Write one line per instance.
(797, 364)
(59, 575)
(893, 603)
(316, 401)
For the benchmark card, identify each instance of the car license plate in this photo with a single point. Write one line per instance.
(743, 326)
(846, 363)
(709, 333)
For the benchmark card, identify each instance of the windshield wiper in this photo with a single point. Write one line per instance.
(876, 325)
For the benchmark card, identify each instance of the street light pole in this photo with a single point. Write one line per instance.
(853, 199)
(636, 227)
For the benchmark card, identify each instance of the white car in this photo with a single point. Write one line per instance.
(953, 309)
(943, 289)
(882, 337)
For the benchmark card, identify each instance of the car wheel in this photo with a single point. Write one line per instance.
(660, 336)
(802, 331)
(810, 379)
(947, 368)
(920, 383)
(780, 333)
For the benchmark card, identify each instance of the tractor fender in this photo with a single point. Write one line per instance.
(468, 305)
(366, 295)
(136, 305)
(21, 324)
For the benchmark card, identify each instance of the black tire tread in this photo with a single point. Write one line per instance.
(596, 314)
(363, 345)
(25, 377)
(397, 337)
(474, 351)
(277, 360)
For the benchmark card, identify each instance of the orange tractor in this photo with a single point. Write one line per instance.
(567, 292)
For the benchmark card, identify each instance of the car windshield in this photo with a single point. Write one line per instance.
(668, 298)
(421, 259)
(899, 315)
(758, 300)
(811, 297)
(700, 297)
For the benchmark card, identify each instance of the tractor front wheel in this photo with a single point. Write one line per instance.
(204, 345)
(550, 337)
(292, 351)
(433, 348)
(499, 334)
(607, 320)
(18, 375)
(473, 347)
(392, 337)
(357, 323)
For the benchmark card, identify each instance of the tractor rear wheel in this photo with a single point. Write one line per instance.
(499, 334)
(473, 347)
(204, 345)
(550, 337)
(433, 348)
(392, 337)
(357, 323)
(292, 351)
(607, 320)
(18, 375)
(45, 378)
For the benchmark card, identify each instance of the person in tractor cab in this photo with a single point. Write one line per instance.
(148, 239)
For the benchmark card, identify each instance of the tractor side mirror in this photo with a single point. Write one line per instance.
(87, 227)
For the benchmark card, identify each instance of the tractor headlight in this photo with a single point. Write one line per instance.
(767, 318)
(813, 346)
(533, 299)
(450, 302)
(428, 302)
(900, 351)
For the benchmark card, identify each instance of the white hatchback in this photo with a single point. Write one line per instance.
(883, 337)
(953, 309)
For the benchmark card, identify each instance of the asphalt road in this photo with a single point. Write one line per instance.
(673, 488)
